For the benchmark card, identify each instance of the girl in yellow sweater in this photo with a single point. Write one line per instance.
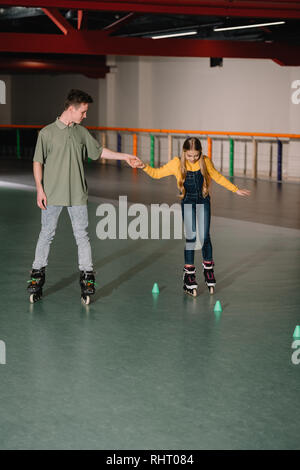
(194, 172)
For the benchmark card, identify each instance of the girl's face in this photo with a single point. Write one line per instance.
(192, 155)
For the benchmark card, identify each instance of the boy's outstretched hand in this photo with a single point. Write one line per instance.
(243, 192)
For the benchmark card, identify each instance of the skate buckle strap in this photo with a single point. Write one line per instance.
(189, 270)
(208, 264)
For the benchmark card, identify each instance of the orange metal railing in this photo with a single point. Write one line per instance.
(137, 134)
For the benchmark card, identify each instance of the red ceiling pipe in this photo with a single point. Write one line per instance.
(21, 65)
(98, 43)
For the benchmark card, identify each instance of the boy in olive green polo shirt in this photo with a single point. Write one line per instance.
(59, 176)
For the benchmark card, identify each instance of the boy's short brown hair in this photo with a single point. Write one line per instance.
(76, 98)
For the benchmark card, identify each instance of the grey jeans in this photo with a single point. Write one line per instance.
(79, 220)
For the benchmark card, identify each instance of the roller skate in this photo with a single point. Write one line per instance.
(208, 271)
(87, 284)
(189, 281)
(35, 288)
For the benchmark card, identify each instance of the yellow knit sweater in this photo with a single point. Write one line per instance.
(173, 168)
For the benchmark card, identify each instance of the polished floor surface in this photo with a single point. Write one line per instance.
(140, 371)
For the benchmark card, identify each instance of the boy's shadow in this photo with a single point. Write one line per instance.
(108, 288)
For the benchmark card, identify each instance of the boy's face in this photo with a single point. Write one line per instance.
(192, 155)
(78, 113)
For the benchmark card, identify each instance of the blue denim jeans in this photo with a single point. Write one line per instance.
(79, 220)
(196, 215)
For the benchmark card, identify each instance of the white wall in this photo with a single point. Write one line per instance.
(39, 99)
(182, 93)
(186, 93)
(294, 126)
(176, 93)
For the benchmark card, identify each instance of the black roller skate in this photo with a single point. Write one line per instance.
(208, 271)
(87, 284)
(35, 288)
(189, 281)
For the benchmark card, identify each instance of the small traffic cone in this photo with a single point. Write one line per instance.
(155, 289)
(297, 332)
(218, 307)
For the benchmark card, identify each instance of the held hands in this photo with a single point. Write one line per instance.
(243, 192)
(135, 162)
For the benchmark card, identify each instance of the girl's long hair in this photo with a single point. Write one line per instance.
(192, 143)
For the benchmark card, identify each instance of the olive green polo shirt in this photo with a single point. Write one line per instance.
(62, 150)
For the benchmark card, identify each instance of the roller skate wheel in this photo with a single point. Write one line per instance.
(192, 292)
(35, 297)
(86, 299)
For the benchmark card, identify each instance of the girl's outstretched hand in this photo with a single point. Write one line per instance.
(243, 192)
(140, 164)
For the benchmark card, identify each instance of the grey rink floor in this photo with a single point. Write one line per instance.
(138, 371)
